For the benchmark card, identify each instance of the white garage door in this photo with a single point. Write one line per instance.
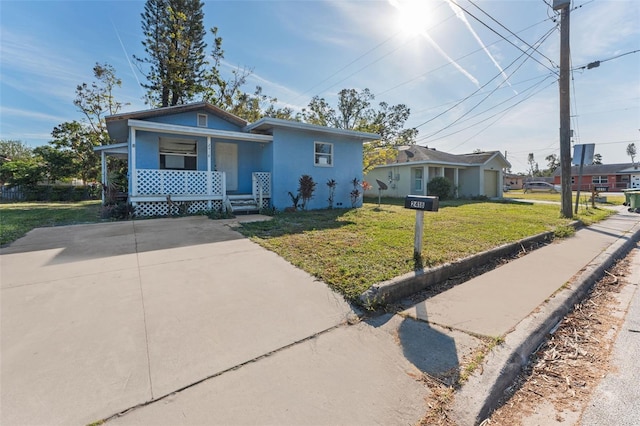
(491, 183)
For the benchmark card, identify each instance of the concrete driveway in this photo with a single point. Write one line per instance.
(96, 319)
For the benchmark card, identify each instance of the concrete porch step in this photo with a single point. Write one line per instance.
(243, 203)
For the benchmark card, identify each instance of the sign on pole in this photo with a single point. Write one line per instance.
(582, 154)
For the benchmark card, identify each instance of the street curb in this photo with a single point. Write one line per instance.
(410, 283)
(482, 393)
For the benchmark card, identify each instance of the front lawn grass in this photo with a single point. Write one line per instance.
(352, 249)
(16, 219)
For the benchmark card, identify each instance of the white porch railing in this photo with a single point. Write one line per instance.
(194, 190)
(261, 187)
(179, 182)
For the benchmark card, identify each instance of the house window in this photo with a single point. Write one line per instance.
(323, 154)
(417, 180)
(202, 120)
(178, 154)
(599, 179)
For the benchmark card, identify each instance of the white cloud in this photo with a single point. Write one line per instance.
(30, 114)
(601, 27)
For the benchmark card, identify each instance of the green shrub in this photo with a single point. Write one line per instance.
(440, 187)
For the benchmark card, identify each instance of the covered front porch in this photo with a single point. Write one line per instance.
(175, 169)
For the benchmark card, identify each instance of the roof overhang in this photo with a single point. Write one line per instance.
(429, 163)
(120, 150)
(268, 124)
(177, 109)
(197, 131)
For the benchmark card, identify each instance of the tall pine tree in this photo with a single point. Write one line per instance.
(174, 42)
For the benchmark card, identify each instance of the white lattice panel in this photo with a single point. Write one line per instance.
(152, 208)
(161, 208)
(197, 184)
(148, 182)
(216, 183)
(174, 182)
(262, 180)
(197, 206)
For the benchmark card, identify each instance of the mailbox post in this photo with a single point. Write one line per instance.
(420, 204)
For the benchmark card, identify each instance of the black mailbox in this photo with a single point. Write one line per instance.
(420, 202)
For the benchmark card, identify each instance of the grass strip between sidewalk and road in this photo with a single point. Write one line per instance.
(352, 249)
(16, 219)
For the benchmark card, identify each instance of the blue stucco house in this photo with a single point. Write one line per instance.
(202, 157)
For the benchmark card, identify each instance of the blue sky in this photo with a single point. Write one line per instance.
(467, 87)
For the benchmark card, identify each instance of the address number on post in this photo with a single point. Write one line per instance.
(420, 202)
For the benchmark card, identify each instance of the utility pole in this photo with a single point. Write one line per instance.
(565, 107)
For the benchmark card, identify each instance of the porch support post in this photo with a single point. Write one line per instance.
(105, 184)
(425, 175)
(132, 162)
(455, 181)
(209, 175)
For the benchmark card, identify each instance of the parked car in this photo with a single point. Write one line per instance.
(540, 187)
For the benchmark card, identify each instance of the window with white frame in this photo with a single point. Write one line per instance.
(178, 154)
(599, 179)
(323, 154)
(417, 179)
(202, 120)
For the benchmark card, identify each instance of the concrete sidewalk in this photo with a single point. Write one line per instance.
(523, 301)
(181, 321)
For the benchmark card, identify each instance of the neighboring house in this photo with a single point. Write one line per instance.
(603, 177)
(200, 157)
(512, 181)
(476, 174)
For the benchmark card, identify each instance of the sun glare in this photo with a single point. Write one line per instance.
(413, 15)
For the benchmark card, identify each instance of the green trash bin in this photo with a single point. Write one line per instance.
(634, 201)
(626, 195)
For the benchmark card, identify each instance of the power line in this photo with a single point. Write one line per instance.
(553, 64)
(365, 54)
(384, 56)
(455, 60)
(575, 105)
(504, 38)
(495, 106)
(501, 113)
(346, 66)
(596, 64)
(478, 94)
(479, 89)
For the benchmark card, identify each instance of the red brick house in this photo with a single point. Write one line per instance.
(603, 177)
